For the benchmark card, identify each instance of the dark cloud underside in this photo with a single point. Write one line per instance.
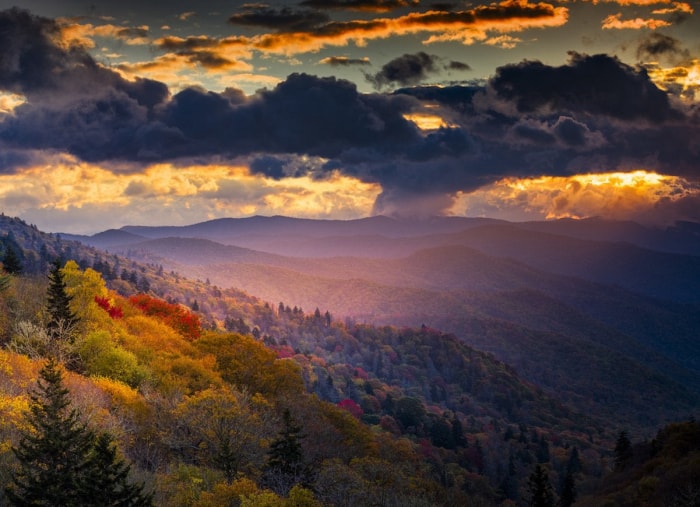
(531, 119)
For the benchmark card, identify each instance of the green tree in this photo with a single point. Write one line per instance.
(285, 463)
(108, 478)
(568, 492)
(11, 262)
(623, 450)
(62, 320)
(54, 456)
(539, 488)
(61, 462)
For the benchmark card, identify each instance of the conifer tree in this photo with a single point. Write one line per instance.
(285, 464)
(53, 458)
(62, 320)
(11, 262)
(61, 462)
(623, 450)
(539, 488)
(108, 478)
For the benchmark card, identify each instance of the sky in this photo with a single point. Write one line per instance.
(173, 112)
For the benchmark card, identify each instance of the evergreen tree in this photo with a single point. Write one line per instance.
(108, 478)
(285, 463)
(61, 462)
(568, 492)
(11, 262)
(53, 458)
(62, 320)
(539, 488)
(623, 450)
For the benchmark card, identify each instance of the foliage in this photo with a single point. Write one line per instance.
(60, 461)
(176, 316)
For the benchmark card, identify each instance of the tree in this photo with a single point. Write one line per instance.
(53, 459)
(108, 478)
(568, 492)
(62, 320)
(61, 462)
(623, 450)
(285, 464)
(539, 488)
(11, 261)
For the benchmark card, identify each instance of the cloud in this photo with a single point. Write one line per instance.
(304, 31)
(344, 61)
(360, 5)
(656, 45)
(638, 195)
(615, 22)
(405, 70)
(284, 20)
(593, 114)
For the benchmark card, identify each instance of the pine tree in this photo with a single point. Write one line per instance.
(568, 492)
(61, 462)
(108, 478)
(285, 464)
(53, 458)
(11, 262)
(623, 450)
(539, 488)
(62, 320)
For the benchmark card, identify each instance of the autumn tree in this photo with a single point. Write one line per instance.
(223, 428)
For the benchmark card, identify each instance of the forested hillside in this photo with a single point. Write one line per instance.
(215, 397)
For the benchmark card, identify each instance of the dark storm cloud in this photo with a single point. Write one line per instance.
(657, 44)
(454, 65)
(405, 70)
(592, 114)
(284, 20)
(597, 84)
(344, 61)
(359, 5)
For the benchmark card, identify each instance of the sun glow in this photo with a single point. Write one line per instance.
(636, 195)
(10, 101)
(70, 191)
(427, 121)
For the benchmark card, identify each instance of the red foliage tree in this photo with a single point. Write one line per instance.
(176, 316)
(114, 312)
(352, 407)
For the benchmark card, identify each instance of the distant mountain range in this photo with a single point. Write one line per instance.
(586, 309)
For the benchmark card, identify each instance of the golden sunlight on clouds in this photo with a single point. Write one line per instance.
(427, 121)
(10, 101)
(614, 22)
(685, 79)
(466, 27)
(619, 195)
(67, 189)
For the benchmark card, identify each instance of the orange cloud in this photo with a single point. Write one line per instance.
(465, 26)
(614, 22)
(83, 35)
(627, 3)
(635, 195)
(682, 79)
